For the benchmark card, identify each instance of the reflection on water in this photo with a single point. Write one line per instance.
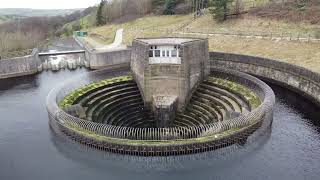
(29, 150)
(25, 83)
(86, 155)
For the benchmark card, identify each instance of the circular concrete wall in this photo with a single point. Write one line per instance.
(162, 141)
(299, 79)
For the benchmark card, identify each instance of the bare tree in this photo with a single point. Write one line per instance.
(238, 7)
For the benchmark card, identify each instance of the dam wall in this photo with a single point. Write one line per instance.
(298, 79)
(116, 58)
(119, 57)
(20, 66)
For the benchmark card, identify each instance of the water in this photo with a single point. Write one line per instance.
(29, 149)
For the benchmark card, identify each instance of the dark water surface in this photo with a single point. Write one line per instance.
(29, 149)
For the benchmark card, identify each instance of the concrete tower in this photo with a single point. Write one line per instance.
(167, 70)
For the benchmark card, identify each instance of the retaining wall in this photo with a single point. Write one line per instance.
(299, 79)
(120, 57)
(20, 66)
(117, 58)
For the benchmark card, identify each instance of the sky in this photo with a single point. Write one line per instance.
(47, 4)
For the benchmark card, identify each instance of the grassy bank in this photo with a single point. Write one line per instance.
(306, 54)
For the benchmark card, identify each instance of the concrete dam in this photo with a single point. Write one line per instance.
(170, 101)
(105, 113)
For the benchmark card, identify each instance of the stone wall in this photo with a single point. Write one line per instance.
(20, 66)
(299, 79)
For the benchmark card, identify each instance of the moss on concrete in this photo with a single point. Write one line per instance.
(73, 96)
(248, 94)
(157, 143)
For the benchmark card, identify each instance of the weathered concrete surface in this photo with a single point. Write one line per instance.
(299, 79)
(164, 108)
(117, 42)
(171, 140)
(19, 66)
(111, 57)
(170, 79)
(100, 60)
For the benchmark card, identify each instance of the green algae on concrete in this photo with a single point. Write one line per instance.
(158, 143)
(248, 94)
(73, 96)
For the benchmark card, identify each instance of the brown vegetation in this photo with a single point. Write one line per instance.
(28, 33)
(125, 10)
(17, 41)
(291, 10)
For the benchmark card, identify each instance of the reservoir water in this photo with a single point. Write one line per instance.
(29, 150)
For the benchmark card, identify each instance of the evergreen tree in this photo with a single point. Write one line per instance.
(219, 9)
(169, 7)
(100, 19)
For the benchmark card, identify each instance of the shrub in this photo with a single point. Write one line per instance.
(169, 7)
(219, 9)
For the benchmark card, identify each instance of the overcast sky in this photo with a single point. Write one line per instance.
(47, 4)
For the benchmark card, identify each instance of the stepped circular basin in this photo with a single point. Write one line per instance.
(105, 110)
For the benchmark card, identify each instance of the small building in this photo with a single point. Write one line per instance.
(81, 33)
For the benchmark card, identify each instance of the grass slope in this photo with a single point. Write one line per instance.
(304, 54)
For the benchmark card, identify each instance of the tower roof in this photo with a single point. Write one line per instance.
(166, 40)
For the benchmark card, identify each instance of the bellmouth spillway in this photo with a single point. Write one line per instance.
(26, 142)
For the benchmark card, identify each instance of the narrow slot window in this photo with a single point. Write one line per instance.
(157, 53)
(151, 53)
(174, 53)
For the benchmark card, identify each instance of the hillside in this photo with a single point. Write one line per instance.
(307, 11)
(6, 18)
(35, 12)
(305, 54)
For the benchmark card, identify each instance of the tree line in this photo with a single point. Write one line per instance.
(27, 33)
(109, 11)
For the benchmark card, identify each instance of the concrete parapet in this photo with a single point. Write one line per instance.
(20, 66)
(299, 79)
(100, 60)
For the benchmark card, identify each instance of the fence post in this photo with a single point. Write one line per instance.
(290, 36)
